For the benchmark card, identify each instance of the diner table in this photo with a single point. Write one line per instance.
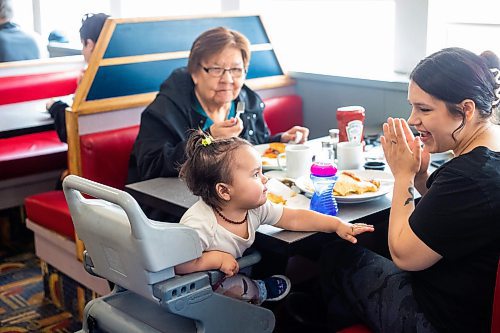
(24, 118)
(172, 196)
(277, 246)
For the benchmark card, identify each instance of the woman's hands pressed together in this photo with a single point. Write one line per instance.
(402, 149)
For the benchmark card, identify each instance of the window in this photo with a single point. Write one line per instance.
(474, 26)
(319, 36)
(66, 16)
(156, 8)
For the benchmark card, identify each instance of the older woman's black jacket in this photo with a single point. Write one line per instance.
(166, 123)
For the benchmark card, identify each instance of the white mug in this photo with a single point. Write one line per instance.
(350, 155)
(298, 160)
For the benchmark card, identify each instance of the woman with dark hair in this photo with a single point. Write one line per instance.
(445, 249)
(89, 33)
(204, 95)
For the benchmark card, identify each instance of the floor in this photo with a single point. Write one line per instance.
(23, 307)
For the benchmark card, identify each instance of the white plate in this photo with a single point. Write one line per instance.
(293, 199)
(269, 163)
(386, 183)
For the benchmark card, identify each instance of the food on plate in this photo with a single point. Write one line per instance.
(275, 198)
(287, 181)
(349, 183)
(274, 149)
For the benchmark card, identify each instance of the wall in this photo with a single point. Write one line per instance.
(323, 94)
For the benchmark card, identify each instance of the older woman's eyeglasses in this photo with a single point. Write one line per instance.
(218, 71)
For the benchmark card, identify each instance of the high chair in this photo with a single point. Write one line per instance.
(138, 255)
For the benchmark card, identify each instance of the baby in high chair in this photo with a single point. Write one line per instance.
(227, 176)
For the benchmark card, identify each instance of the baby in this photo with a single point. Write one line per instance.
(227, 175)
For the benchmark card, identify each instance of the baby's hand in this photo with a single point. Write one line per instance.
(229, 265)
(347, 231)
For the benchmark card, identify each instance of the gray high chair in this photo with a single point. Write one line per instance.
(139, 255)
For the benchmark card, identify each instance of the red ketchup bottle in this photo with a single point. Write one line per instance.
(346, 115)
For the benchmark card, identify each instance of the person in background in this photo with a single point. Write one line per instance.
(58, 36)
(445, 249)
(203, 95)
(226, 173)
(89, 33)
(16, 44)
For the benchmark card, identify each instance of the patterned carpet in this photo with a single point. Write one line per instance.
(23, 307)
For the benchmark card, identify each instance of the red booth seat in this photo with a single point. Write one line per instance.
(50, 210)
(31, 87)
(31, 154)
(31, 163)
(283, 112)
(104, 157)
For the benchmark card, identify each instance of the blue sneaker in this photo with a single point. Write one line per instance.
(277, 287)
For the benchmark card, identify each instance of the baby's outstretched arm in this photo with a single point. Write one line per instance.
(308, 220)
(222, 261)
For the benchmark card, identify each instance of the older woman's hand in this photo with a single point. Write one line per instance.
(302, 133)
(402, 150)
(227, 129)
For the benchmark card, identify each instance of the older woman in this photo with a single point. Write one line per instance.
(203, 95)
(445, 249)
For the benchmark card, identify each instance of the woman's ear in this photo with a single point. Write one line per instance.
(469, 108)
(223, 191)
(90, 44)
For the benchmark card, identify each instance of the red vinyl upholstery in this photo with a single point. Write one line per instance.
(50, 210)
(30, 154)
(21, 88)
(104, 157)
(283, 112)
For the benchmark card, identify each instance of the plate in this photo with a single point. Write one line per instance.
(386, 183)
(293, 199)
(269, 163)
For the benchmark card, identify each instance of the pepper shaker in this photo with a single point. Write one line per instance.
(334, 139)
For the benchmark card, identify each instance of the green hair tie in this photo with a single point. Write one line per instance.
(206, 141)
